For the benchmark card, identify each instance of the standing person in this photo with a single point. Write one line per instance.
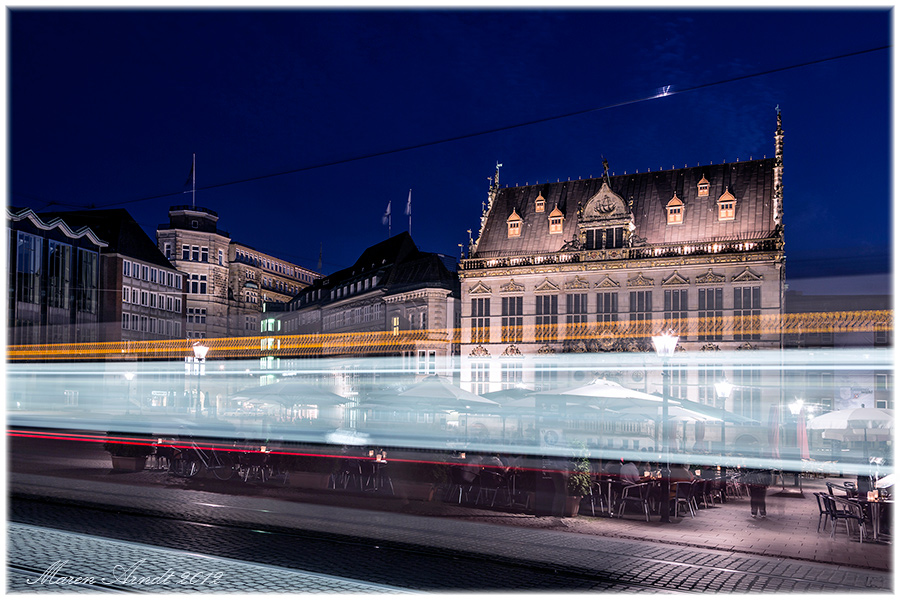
(758, 480)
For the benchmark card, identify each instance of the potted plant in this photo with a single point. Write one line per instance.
(128, 452)
(578, 481)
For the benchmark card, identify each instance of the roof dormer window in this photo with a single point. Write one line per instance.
(703, 187)
(539, 203)
(675, 211)
(556, 221)
(726, 207)
(514, 225)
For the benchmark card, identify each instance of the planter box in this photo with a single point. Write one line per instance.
(572, 506)
(128, 463)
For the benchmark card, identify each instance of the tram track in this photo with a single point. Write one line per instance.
(628, 571)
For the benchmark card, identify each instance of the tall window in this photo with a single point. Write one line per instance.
(547, 308)
(675, 307)
(597, 239)
(481, 320)
(709, 304)
(576, 309)
(510, 374)
(204, 254)
(86, 292)
(427, 362)
(640, 311)
(185, 252)
(198, 284)
(747, 310)
(707, 378)
(167, 250)
(221, 258)
(512, 319)
(545, 376)
(59, 274)
(747, 392)
(607, 307)
(480, 376)
(28, 268)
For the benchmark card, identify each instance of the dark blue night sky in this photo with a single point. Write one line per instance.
(106, 109)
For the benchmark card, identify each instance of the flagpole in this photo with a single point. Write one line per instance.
(194, 181)
(409, 210)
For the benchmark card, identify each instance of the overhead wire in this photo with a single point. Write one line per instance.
(668, 92)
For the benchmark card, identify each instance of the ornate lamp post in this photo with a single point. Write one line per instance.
(723, 391)
(665, 348)
(200, 355)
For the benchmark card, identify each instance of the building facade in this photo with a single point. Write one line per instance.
(142, 294)
(392, 289)
(226, 282)
(53, 280)
(601, 265)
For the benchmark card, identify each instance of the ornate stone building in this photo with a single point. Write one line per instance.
(600, 265)
(392, 288)
(227, 282)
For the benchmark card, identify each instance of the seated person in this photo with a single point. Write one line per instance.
(629, 473)
(680, 473)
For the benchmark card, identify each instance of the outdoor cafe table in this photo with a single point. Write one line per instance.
(873, 509)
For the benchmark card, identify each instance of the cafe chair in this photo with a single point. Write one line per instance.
(637, 493)
(598, 496)
(491, 484)
(823, 512)
(697, 495)
(683, 496)
(841, 509)
(459, 486)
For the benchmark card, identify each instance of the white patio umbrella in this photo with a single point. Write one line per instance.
(439, 393)
(885, 482)
(856, 425)
(290, 393)
(608, 393)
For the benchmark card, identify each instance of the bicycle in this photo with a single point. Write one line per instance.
(187, 462)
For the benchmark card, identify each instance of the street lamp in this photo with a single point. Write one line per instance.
(200, 355)
(665, 348)
(723, 391)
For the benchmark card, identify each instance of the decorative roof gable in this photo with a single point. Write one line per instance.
(480, 288)
(606, 283)
(512, 286)
(479, 351)
(577, 284)
(546, 286)
(676, 279)
(512, 350)
(747, 275)
(709, 277)
(604, 205)
(640, 281)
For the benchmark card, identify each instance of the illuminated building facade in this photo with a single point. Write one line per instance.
(392, 288)
(53, 280)
(601, 265)
(227, 282)
(142, 294)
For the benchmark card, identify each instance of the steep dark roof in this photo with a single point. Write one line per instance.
(751, 183)
(117, 227)
(399, 265)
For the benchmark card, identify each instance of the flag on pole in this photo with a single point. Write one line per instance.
(409, 203)
(387, 215)
(190, 178)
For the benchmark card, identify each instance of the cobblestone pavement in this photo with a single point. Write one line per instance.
(489, 551)
(44, 560)
(722, 548)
